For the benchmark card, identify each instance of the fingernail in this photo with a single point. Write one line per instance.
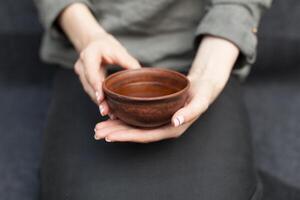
(101, 109)
(107, 140)
(96, 137)
(97, 96)
(178, 121)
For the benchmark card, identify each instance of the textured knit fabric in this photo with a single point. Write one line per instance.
(160, 33)
(211, 161)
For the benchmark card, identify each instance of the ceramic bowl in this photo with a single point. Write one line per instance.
(146, 97)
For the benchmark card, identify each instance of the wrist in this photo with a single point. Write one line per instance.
(214, 60)
(80, 25)
(90, 35)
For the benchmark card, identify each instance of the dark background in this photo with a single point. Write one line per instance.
(271, 93)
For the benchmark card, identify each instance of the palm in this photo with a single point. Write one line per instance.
(118, 131)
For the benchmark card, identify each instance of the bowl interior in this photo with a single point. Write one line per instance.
(146, 83)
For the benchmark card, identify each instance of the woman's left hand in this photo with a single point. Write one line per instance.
(208, 76)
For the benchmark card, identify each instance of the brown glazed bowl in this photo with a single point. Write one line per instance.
(146, 97)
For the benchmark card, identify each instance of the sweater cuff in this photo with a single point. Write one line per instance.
(235, 23)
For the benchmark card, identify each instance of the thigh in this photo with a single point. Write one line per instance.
(212, 160)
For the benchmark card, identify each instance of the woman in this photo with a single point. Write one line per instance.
(207, 40)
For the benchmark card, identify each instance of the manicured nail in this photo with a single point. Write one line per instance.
(178, 121)
(107, 140)
(101, 109)
(96, 137)
(97, 96)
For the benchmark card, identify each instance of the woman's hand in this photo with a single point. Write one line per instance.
(103, 49)
(96, 47)
(208, 76)
(118, 131)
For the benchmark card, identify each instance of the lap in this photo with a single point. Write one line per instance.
(212, 160)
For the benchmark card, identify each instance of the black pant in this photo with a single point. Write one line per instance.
(211, 161)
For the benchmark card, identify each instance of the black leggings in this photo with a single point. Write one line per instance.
(211, 161)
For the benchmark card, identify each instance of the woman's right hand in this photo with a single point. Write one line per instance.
(103, 49)
(96, 47)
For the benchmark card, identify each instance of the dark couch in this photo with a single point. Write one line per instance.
(271, 93)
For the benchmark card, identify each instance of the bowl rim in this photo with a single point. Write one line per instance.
(130, 98)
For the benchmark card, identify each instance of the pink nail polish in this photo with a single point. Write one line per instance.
(175, 122)
(101, 109)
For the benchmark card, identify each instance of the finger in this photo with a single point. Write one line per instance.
(198, 104)
(91, 58)
(103, 108)
(140, 135)
(108, 123)
(125, 60)
(116, 54)
(87, 88)
(103, 132)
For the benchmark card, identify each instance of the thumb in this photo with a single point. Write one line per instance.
(197, 105)
(125, 60)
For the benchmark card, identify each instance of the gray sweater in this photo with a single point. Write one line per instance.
(162, 33)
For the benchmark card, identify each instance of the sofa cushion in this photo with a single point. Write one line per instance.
(273, 104)
(25, 89)
(279, 38)
(18, 17)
